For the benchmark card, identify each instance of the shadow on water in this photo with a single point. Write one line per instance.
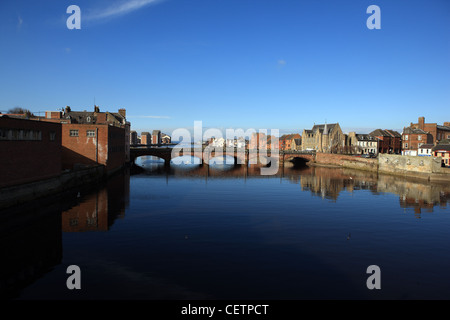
(31, 234)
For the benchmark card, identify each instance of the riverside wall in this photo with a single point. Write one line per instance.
(14, 195)
(346, 161)
(424, 168)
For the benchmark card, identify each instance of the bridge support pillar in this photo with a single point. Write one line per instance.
(167, 162)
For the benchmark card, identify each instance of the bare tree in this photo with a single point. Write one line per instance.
(18, 110)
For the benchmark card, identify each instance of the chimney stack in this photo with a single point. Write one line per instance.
(421, 123)
(123, 112)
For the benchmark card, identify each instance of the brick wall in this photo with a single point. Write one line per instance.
(23, 161)
(95, 144)
(116, 148)
(83, 149)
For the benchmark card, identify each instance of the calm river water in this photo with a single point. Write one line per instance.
(229, 233)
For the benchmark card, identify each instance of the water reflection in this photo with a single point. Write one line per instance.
(98, 210)
(30, 245)
(31, 236)
(326, 183)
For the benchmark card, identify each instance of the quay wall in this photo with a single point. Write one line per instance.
(428, 168)
(399, 164)
(18, 194)
(347, 161)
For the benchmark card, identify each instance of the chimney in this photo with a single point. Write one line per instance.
(123, 112)
(96, 109)
(421, 123)
(447, 124)
(67, 109)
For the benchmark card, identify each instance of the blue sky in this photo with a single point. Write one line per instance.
(231, 64)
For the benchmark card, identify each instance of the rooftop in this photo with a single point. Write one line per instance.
(410, 130)
(321, 127)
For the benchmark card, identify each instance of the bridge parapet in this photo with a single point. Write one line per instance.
(206, 153)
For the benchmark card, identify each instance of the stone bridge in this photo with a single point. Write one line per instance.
(244, 157)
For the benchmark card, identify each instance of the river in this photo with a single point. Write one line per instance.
(224, 232)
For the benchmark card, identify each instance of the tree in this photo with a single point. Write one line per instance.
(18, 110)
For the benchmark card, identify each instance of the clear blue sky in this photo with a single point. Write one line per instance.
(283, 64)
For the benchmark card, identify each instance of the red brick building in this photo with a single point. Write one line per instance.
(29, 150)
(286, 141)
(263, 142)
(116, 119)
(92, 144)
(156, 137)
(438, 132)
(92, 138)
(146, 138)
(413, 139)
(390, 141)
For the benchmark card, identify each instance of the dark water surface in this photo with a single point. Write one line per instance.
(229, 233)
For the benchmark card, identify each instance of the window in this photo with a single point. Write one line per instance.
(90, 133)
(74, 133)
(52, 135)
(419, 138)
(406, 137)
(20, 134)
(406, 145)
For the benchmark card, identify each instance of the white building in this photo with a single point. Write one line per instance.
(218, 142)
(425, 150)
(364, 143)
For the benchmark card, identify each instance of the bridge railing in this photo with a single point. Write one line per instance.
(224, 149)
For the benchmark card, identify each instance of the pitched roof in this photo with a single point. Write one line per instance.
(378, 132)
(426, 146)
(410, 130)
(320, 127)
(385, 133)
(82, 117)
(365, 137)
(445, 128)
(440, 146)
(289, 136)
(393, 133)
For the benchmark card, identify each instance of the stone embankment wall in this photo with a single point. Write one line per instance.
(390, 163)
(347, 161)
(428, 168)
(15, 195)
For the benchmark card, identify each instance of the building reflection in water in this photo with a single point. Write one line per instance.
(31, 234)
(98, 210)
(328, 183)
